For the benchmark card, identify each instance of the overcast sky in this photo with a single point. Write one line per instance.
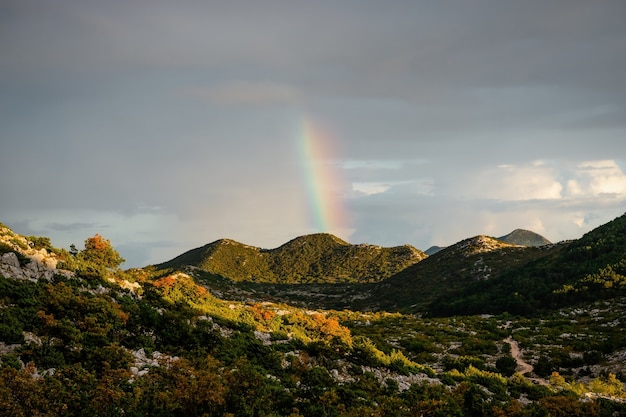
(167, 125)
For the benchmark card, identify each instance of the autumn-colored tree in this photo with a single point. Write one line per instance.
(99, 251)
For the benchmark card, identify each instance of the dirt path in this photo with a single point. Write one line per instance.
(523, 366)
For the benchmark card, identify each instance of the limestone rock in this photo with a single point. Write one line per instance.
(10, 260)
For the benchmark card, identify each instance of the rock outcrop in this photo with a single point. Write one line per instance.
(20, 260)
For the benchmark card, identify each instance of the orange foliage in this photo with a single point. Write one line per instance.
(329, 325)
(99, 251)
(47, 318)
(97, 242)
(121, 314)
(190, 288)
(165, 283)
(261, 313)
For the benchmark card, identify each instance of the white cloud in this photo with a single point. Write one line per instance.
(535, 181)
(598, 178)
(369, 188)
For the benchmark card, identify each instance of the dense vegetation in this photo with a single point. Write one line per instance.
(99, 341)
(307, 259)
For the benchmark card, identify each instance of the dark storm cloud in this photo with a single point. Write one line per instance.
(70, 227)
(184, 117)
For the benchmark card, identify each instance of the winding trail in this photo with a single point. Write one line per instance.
(523, 366)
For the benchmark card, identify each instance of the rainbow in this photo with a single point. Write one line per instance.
(323, 180)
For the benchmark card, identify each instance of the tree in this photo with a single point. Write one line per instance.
(506, 365)
(99, 251)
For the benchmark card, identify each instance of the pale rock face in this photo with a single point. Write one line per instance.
(10, 260)
(10, 266)
(41, 265)
(39, 270)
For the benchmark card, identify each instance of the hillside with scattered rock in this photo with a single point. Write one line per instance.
(21, 258)
(87, 338)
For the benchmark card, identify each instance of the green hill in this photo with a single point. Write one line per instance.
(316, 258)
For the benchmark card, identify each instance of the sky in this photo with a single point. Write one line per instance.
(165, 125)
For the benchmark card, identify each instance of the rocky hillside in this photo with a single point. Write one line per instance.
(480, 258)
(28, 259)
(587, 269)
(307, 259)
(518, 237)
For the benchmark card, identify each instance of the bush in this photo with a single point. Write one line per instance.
(99, 251)
(10, 361)
(506, 365)
(462, 362)
(40, 242)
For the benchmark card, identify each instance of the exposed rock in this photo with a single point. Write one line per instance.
(40, 263)
(143, 362)
(10, 260)
(264, 337)
(404, 381)
(39, 267)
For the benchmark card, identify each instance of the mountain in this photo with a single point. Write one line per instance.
(477, 259)
(312, 258)
(433, 250)
(519, 237)
(481, 274)
(524, 238)
(587, 269)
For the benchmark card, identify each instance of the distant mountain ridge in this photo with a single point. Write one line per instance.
(312, 258)
(433, 250)
(477, 275)
(525, 238)
(519, 237)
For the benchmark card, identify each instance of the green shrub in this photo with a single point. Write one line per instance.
(506, 365)
(10, 361)
(40, 242)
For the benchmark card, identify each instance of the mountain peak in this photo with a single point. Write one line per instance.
(525, 238)
(433, 250)
(326, 239)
